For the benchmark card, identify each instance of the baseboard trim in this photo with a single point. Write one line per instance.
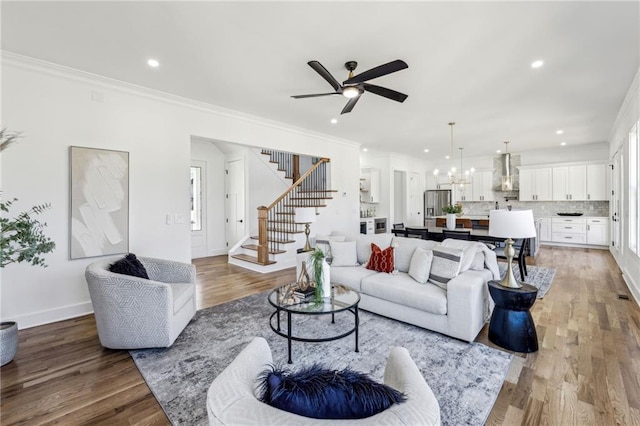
(631, 285)
(35, 319)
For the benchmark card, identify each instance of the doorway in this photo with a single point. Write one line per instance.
(234, 200)
(399, 196)
(414, 194)
(616, 204)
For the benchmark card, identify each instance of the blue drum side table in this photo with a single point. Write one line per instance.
(512, 325)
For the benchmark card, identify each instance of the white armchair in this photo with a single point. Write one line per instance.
(136, 313)
(231, 399)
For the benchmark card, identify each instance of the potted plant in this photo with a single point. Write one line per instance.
(22, 240)
(452, 210)
(321, 273)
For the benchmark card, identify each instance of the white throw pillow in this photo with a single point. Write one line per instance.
(421, 265)
(445, 265)
(344, 253)
(322, 244)
(478, 262)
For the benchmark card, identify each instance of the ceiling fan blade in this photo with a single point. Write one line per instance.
(383, 91)
(378, 71)
(314, 96)
(317, 67)
(349, 106)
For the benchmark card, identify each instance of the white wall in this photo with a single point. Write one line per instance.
(618, 140)
(54, 109)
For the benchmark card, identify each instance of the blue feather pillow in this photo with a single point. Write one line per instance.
(321, 393)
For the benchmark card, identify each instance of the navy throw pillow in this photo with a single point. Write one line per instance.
(129, 265)
(321, 393)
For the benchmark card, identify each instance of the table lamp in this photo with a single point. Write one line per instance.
(511, 224)
(306, 215)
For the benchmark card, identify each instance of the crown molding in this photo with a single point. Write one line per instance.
(8, 58)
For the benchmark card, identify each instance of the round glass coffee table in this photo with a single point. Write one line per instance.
(342, 299)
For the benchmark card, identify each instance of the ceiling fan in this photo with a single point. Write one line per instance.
(354, 86)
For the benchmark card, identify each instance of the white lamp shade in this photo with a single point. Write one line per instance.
(511, 224)
(305, 215)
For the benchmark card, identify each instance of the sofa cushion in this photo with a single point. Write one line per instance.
(445, 265)
(323, 393)
(406, 247)
(363, 245)
(182, 293)
(404, 290)
(349, 276)
(343, 253)
(420, 264)
(381, 260)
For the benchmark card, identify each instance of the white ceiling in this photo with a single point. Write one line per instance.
(468, 63)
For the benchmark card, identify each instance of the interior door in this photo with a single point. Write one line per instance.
(414, 195)
(198, 218)
(616, 204)
(235, 197)
(399, 196)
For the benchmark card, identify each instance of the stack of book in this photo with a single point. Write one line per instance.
(305, 294)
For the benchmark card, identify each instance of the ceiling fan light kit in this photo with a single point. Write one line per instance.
(354, 86)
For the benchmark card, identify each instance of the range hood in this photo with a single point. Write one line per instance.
(505, 173)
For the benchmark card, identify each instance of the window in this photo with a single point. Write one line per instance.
(634, 184)
(196, 199)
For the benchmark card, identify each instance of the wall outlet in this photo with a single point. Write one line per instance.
(179, 218)
(169, 219)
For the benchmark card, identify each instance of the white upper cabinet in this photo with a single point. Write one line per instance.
(597, 182)
(481, 186)
(535, 184)
(569, 183)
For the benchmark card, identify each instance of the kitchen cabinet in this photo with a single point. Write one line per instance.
(535, 184)
(370, 186)
(598, 231)
(545, 229)
(597, 182)
(569, 183)
(569, 230)
(481, 187)
(461, 193)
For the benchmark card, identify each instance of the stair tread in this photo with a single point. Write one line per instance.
(256, 237)
(285, 231)
(316, 190)
(251, 259)
(255, 248)
(295, 205)
(311, 198)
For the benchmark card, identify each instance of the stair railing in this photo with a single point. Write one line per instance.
(303, 193)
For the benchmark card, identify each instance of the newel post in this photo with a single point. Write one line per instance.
(263, 246)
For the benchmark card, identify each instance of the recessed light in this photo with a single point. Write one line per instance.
(498, 151)
(447, 157)
(559, 132)
(334, 120)
(365, 149)
(537, 64)
(153, 63)
(563, 143)
(426, 150)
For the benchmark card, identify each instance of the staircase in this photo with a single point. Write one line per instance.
(277, 228)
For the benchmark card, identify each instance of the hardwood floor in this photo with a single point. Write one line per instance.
(587, 370)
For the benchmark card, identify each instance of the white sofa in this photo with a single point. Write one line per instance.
(232, 399)
(460, 311)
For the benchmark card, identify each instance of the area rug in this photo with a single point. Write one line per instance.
(540, 277)
(465, 378)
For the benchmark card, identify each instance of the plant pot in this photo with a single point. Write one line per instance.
(8, 341)
(451, 221)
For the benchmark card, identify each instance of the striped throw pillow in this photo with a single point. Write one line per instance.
(445, 265)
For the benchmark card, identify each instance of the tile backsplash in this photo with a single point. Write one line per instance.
(540, 208)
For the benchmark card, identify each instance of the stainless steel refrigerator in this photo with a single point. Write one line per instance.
(434, 201)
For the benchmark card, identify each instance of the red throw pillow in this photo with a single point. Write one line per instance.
(381, 260)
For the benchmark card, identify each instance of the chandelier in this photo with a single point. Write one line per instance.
(461, 179)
